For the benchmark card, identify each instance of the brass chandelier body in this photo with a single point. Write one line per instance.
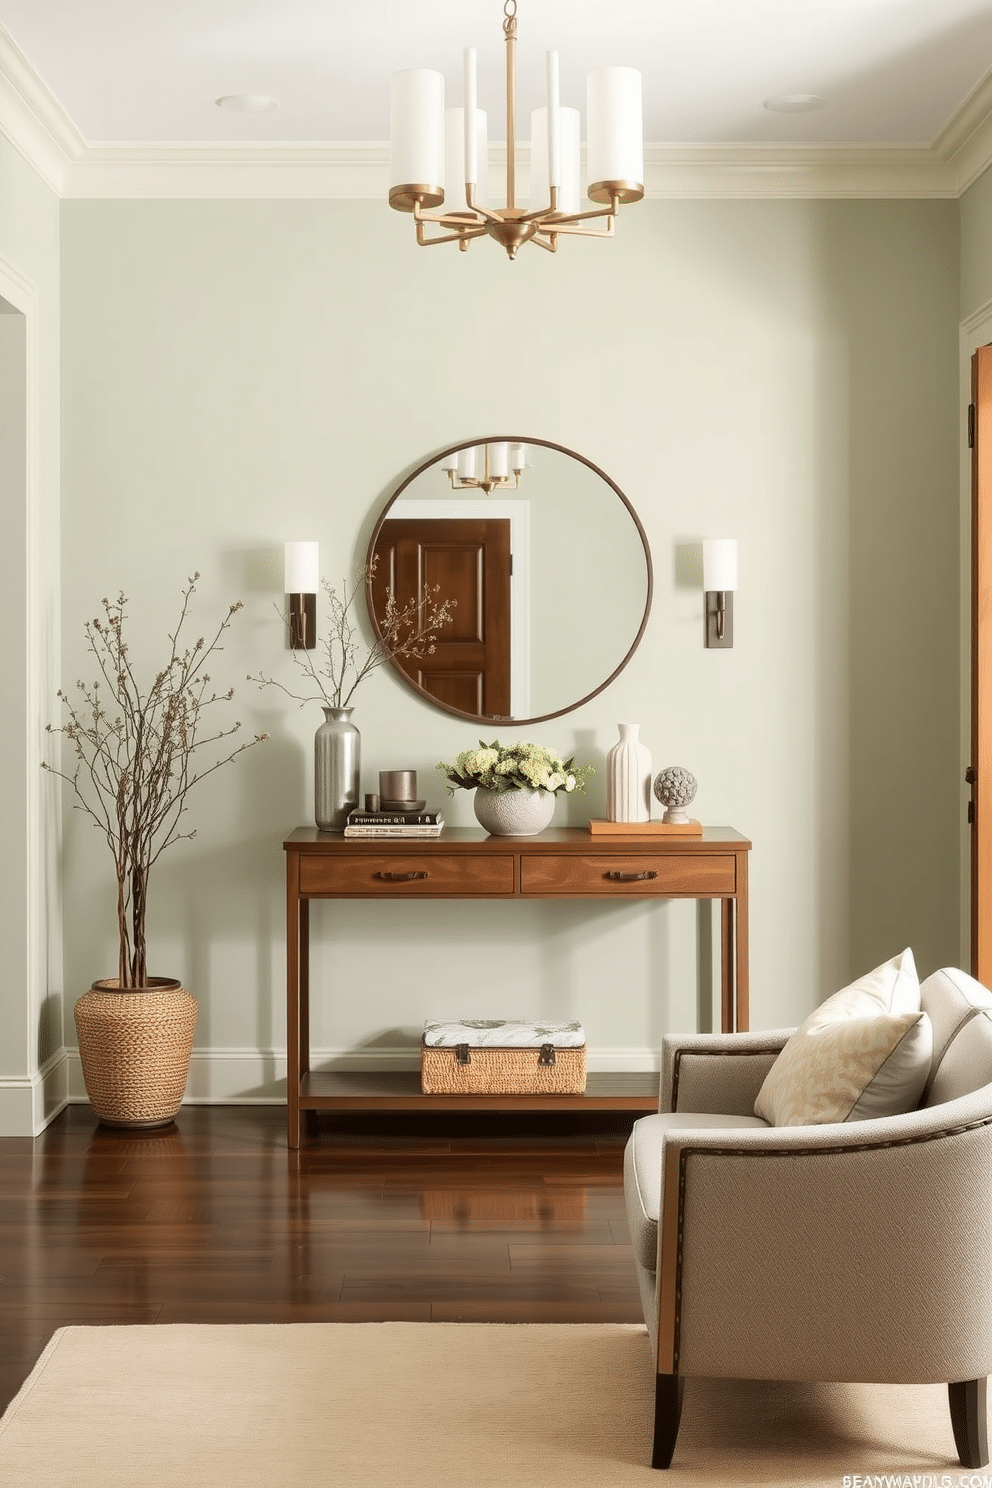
(512, 226)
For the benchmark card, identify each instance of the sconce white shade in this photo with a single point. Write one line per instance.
(416, 156)
(568, 139)
(454, 158)
(720, 564)
(466, 463)
(613, 121)
(302, 568)
(518, 457)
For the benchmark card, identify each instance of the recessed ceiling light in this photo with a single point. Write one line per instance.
(247, 103)
(795, 103)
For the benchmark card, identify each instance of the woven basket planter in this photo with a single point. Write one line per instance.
(135, 1049)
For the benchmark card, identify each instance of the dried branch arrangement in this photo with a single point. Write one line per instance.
(343, 660)
(138, 755)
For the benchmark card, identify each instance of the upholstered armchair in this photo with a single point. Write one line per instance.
(847, 1250)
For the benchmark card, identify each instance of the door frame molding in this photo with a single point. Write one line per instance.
(974, 331)
(33, 1089)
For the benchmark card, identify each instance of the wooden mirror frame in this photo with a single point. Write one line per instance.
(545, 444)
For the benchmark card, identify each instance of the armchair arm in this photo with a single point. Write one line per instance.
(718, 1072)
(855, 1251)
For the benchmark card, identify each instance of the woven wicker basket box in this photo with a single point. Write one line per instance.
(489, 1056)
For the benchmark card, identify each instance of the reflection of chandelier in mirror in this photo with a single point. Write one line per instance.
(502, 466)
(431, 147)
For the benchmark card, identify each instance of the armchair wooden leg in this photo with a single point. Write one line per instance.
(968, 1418)
(667, 1414)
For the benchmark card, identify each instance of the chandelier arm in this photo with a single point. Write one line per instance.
(487, 212)
(460, 235)
(552, 246)
(611, 211)
(567, 217)
(447, 219)
(573, 231)
(451, 219)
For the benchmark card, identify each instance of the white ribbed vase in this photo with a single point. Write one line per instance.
(628, 778)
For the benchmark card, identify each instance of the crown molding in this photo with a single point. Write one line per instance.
(294, 171)
(802, 171)
(361, 172)
(32, 118)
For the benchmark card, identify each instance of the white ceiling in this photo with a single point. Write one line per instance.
(141, 72)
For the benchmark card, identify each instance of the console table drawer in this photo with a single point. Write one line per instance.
(395, 876)
(638, 875)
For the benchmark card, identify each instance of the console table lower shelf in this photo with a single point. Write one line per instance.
(378, 1090)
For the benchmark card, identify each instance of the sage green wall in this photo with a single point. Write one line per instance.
(240, 373)
(30, 973)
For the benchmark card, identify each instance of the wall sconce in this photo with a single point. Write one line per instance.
(720, 584)
(302, 583)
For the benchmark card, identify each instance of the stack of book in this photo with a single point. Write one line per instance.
(394, 823)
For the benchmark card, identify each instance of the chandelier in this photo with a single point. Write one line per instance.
(431, 148)
(487, 467)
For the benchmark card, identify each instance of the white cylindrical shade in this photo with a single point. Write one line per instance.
(568, 135)
(616, 140)
(450, 462)
(302, 568)
(499, 461)
(466, 463)
(416, 135)
(518, 457)
(720, 563)
(454, 158)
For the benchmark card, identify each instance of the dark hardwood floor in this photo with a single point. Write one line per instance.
(213, 1220)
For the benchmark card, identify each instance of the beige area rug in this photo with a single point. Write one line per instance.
(436, 1405)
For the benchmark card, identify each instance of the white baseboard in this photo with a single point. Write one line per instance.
(252, 1077)
(28, 1103)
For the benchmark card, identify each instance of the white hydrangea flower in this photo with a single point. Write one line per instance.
(515, 767)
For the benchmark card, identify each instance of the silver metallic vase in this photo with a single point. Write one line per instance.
(337, 759)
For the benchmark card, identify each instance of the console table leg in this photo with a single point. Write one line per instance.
(728, 1021)
(295, 932)
(742, 983)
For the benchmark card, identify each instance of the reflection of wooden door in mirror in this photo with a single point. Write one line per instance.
(469, 562)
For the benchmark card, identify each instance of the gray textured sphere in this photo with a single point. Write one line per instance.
(675, 786)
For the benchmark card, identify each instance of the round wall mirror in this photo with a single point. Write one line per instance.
(544, 564)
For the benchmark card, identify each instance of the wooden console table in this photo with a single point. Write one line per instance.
(560, 863)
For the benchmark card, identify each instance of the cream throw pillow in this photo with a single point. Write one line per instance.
(865, 1052)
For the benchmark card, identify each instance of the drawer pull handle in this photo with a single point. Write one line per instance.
(631, 877)
(399, 877)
